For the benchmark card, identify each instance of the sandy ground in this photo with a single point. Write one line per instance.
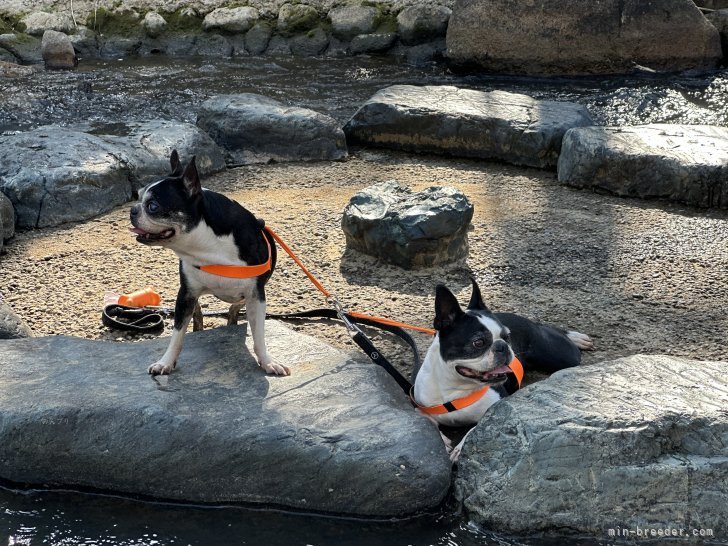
(639, 277)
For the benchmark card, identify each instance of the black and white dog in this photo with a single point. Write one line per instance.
(470, 364)
(216, 240)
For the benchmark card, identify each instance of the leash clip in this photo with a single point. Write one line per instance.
(341, 313)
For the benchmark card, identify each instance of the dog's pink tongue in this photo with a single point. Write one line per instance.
(137, 231)
(499, 370)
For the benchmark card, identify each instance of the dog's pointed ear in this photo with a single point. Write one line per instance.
(447, 308)
(175, 163)
(191, 179)
(476, 299)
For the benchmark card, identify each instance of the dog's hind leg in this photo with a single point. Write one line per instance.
(582, 341)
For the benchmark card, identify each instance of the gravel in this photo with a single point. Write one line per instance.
(638, 276)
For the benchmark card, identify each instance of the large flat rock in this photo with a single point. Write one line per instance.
(577, 37)
(462, 122)
(640, 442)
(684, 163)
(337, 436)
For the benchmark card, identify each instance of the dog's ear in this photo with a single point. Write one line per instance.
(476, 300)
(175, 163)
(447, 308)
(191, 179)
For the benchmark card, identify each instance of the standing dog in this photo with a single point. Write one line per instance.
(470, 364)
(217, 242)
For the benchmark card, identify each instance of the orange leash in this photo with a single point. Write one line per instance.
(329, 296)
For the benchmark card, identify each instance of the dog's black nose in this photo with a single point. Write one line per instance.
(134, 212)
(500, 346)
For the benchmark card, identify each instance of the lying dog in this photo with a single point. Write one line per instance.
(474, 359)
(218, 242)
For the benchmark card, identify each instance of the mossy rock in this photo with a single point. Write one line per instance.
(183, 21)
(113, 22)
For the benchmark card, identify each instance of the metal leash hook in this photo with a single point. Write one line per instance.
(342, 314)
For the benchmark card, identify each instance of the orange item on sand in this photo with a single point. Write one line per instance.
(141, 298)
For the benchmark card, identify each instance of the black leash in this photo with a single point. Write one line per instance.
(142, 320)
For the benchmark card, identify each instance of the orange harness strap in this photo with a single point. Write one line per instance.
(241, 271)
(472, 398)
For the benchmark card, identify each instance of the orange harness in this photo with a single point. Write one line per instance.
(240, 271)
(469, 400)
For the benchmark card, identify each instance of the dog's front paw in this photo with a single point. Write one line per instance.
(582, 341)
(273, 367)
(161, 368)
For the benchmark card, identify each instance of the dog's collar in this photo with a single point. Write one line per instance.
(472, 398)
(240, 271)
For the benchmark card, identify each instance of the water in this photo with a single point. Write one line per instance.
(101, 95)
(104, 95)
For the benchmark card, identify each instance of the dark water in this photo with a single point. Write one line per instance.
(103, 95)
(107, 93)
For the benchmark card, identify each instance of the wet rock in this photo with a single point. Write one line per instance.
(575, 37)
(258, 37)
(296, 18)
(173, 45)
(11, 325)
(54, 175)
(231, 19)
(23, 47)
(212, 45)
(146, 147)
(712, 4)
(448, 120)
(422, 54)
(310, 44)
(688, 164)
(119, 47)
(154, 24)
(372, 43)
(350, 21)
(408, 229)
(57, 51)
(719, 19)
(7, 219)
(7, 57)
(422, 23)
(85, 42)
(640, 442)
(257, 129)
(278, 45)
(38, 22)
(336, 436)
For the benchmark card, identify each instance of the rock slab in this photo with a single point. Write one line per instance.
(11, 325)
(337, 436)
(684, 163)
(448, 120)
(257, 129)
(408, 229)
(634, 443)
(576, 37)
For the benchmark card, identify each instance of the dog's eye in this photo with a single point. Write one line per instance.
(152, 206)
(479, 343)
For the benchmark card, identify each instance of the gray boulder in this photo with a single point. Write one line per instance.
(719, 19)
(57, 51)
(712, 4)
(146, 147)
(54, 175)
(154, 24)
(336, 436)
(258, 37)
(278, 45)
(24, 48)
(577, 37)
(408, 229)
(11, 326)
(257, 129)
(38, 22)
(685, 163)
(231, 19)
(295, 18)
(7, 219)
(117, 47)
(212, 45)
(448, 120)
(640, 442)
(85, 42)
(349, 21)
(309, 44)
(372, 43)
(422, 23)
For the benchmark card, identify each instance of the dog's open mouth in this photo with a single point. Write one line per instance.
(148, 237)
(496, 376)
